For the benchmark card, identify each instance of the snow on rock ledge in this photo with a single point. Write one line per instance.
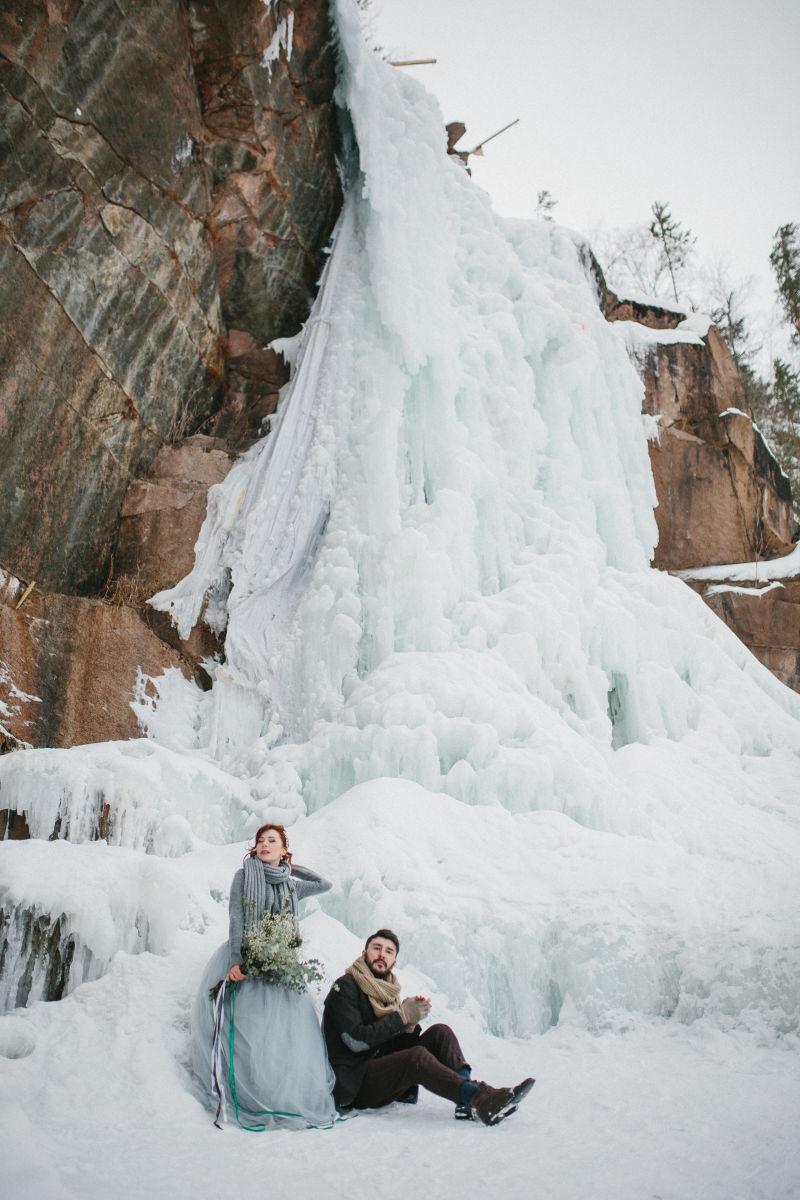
(786, 567)
(133, 793)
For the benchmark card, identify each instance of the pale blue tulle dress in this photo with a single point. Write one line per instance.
(282, 1077)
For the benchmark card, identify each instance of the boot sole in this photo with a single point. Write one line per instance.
(501, 1116)
(517, 1097)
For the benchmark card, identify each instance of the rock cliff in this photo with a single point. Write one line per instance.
(108, 272)
(766, 619)
(722, 496)
(170, 183)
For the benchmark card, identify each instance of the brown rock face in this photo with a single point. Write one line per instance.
(161, 519)
(164, 205)
(158, 180)
(722, 497)
(107, 273)
(255, 378)
(769, 624)
(271, 141)
(69, 668)
(162, 514)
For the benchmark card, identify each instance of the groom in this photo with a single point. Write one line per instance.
(379, 1054)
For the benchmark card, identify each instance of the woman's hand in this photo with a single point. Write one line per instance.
(236, 974)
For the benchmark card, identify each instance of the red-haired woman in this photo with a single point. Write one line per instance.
(281, 1074)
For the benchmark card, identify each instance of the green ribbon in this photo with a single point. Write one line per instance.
(261, 1112)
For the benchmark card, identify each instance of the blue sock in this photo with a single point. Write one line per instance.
(466, 1071)
(467, 1090)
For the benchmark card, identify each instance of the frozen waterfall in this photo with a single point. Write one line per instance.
(447, 660)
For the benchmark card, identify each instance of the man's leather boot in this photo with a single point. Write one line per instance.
(492, 1105)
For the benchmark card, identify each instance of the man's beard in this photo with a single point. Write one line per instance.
(381, 974)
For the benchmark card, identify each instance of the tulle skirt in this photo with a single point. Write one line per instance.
(281, 1074)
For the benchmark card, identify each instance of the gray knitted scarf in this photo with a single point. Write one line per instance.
(267, 890)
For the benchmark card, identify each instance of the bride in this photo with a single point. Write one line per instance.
(280, 1076)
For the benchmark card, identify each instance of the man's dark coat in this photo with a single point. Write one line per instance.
(354, 1035)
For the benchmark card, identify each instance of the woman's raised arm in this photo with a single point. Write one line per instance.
(308, 883)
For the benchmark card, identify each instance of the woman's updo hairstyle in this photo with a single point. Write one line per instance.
(280, 830)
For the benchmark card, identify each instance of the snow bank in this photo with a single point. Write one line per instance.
(663, 1110)
(697, 322)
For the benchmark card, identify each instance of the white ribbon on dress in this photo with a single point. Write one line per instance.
(217, 1082)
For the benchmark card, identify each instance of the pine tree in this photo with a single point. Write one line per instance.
(785, 259)
(675, 243)
(780, 419)
(787, 391)
(759, 396)
(776, 410)
(726, 302)
(729, 318)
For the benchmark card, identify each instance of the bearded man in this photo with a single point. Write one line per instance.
(379, 1053)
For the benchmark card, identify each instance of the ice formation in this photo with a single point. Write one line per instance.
(282, 39)
(447, 660)
(136, 794)
(106, 902)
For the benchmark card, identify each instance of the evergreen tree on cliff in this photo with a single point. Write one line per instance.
(674, 242)
(785, 259)
(784, 420)
(776, 407)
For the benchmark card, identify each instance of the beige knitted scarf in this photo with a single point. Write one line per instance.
(383, 994)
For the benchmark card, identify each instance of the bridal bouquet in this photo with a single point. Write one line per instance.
(270, 952)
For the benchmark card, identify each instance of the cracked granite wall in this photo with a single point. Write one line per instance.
(169, 185)
(163, 205)
(270, 142)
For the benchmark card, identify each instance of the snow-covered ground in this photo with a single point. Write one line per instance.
(657, 1112)
(450, 668)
